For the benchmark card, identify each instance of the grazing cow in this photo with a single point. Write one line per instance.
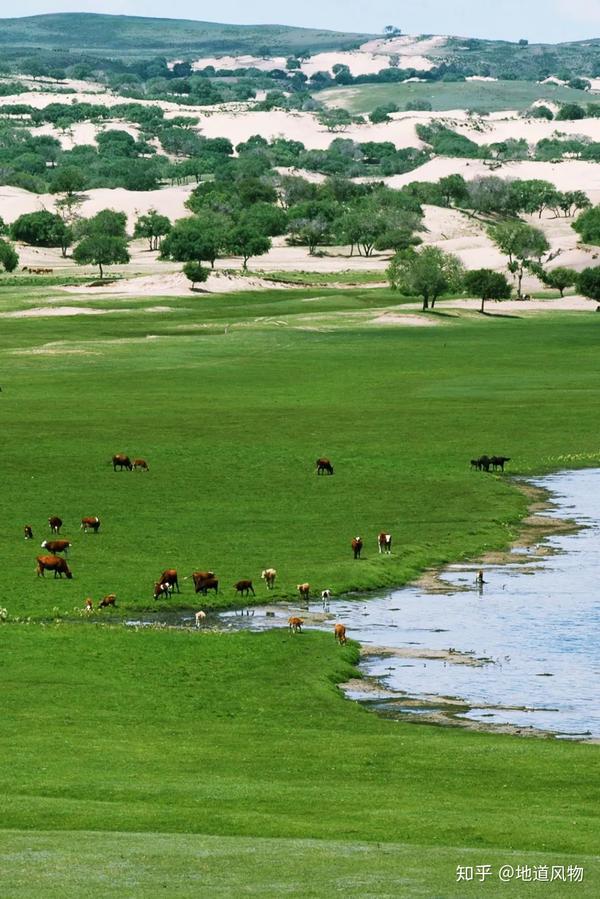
(295, 624)
(201, 578)
(304, 590)
(211, 583)
(357, 546)
(339, 632)
(28, 532)
(475, 463)
(55, 524)
(268, 576)
(140, 464)
(110, 600)
(169, 576)
(89, 605)
(162, 590)
(384, 541)
(244, 587)
(121, 461)
(484, 463)
(90, 524)
(325, 595)
(52, 563)
(200, 616)
(498, 462)
(56, 546)
(324, 466)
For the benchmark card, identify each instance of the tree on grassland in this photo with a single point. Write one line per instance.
(246, 240)
(522, 243)
(153, 227)
(199, 238)
(100, 249)
(9, 258)
(559, 278)
(487, 285)
(427, 273)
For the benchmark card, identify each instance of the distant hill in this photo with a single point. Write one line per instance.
(133, 36)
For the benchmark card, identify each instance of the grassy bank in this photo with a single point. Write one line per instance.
(231, 399)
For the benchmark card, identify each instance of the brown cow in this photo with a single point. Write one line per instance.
(384, 542)
(162, 590)
(89, 605)
(244, 587)
(340, 633)
(28, 532)
(55, 524)
(53, 563)
(295, 624)
(357, 546)
(110, 600)
(56, 546)
(169, 576)
(200, 577)
(324, 466)
(90, 524)
(121, 461)
(304, 590)
(140, 464)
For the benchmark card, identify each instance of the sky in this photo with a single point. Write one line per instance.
(537, 20)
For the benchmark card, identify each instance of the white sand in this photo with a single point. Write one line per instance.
(412, 321)
(175, 285)
(54, 311)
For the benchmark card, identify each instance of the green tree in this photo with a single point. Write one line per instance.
(522, 244)
(246, 240)
(587, 225)
(101, 250)
(68, 180)
(9, 259)
(106, 223)
(487, 285)
(588, 283)
(427, 273)
(199, 238)
(559, 278)
(382, 113)
(335, 119)
(195, 272)
(570, 112)
(153, 227)
(454, 188)
(40, 229)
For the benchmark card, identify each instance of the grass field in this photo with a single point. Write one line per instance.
(147, 762)
(485, 96)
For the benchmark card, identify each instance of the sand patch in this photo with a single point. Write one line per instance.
(176, 285)
(54, 311)
(408, 321)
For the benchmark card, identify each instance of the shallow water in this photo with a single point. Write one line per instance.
(535, 620)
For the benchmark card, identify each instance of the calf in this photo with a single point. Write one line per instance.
(339, 632)
(384, 541)
(357, 546)
(200, 616)
(325, 595)
(268, 576)
(140, 464)
(162, 591)
(90, 524)
(304, 590)
(110, 600)
(56, 546)
(89, 605)
(295, 624)
(55, 524)
(121, 461)
(244, 587)
(52, 563)
(324, 466)
(28, 532)
(169, 576)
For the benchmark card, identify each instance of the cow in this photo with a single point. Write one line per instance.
(121, 461)
(268, 576)
(484, 463)
(244, 587)
(498, 462)
(325, 596)
(339, 632)
(162, 590)
(169, 576)
(200, 578)
(200, 616)
(55, 524)
(56, 546)
(295, 624)
(140, 464)
(110, 600)
(90, 524)
(357, 546)
(210, 583)
(479, 579)
(53, 563)
(304, 590)
(384, 542)
(89, 605)
(28, 532)
(475, 463)
(324, 466)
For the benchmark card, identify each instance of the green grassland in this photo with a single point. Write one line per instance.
(152, 761)
(482, 96)
(138, 37)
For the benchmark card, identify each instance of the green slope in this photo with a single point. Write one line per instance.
(139, 36)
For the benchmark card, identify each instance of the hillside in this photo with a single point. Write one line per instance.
(136, 36)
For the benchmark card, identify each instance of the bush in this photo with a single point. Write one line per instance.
(588, 283)
(570, 112)
(39, 229)
(8, 257)
(382, 113)
(418, 106)
(195, 272)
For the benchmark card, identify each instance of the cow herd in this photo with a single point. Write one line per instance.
(487, 463)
